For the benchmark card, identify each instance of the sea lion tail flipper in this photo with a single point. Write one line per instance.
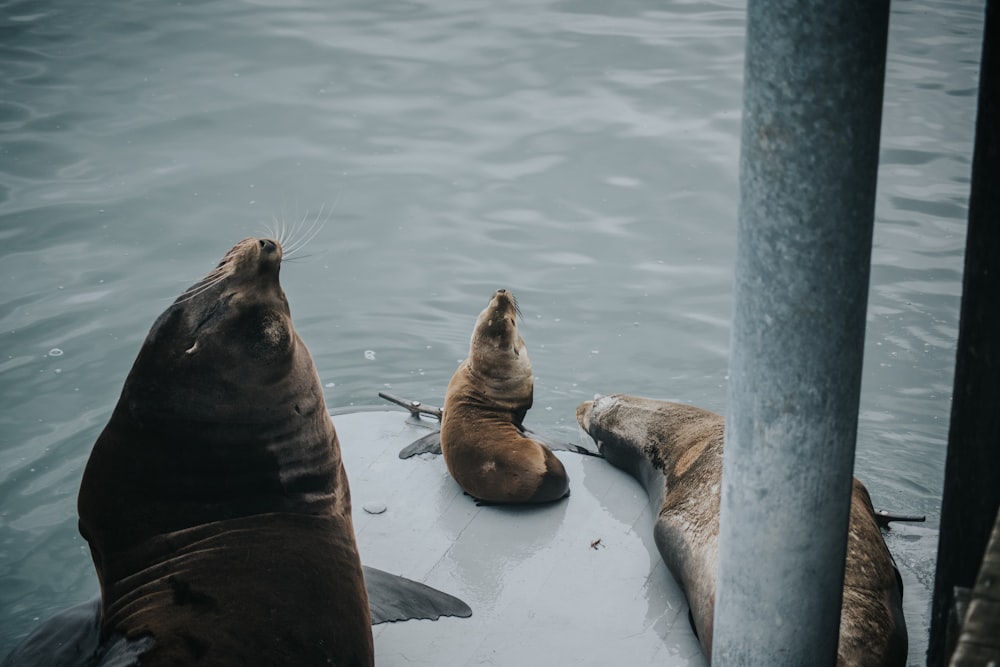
(394, 598)
(559, 445)
(883, 517)
(429, 444)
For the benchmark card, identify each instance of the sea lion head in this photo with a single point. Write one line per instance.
(619, 425)
(671, 436)
(233, 325)
(221, 416)
(497, 351)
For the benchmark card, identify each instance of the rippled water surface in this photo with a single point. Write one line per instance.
(581, 154)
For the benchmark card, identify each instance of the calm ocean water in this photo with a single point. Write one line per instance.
(583, 156)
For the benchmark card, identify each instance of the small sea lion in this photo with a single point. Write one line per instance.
(482, 439)
(675, 452)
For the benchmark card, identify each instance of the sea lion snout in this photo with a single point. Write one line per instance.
(504, 304)
(269, 253)
(263, 253)
(583, 415)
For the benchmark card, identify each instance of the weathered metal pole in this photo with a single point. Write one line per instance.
(971, 486)
(812, 105)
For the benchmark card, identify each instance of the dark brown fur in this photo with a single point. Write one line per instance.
(482, 440)
(215, 501)
(675, 450)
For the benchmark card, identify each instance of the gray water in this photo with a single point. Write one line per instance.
(581, 154)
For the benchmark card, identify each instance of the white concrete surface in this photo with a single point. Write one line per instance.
(540, 593)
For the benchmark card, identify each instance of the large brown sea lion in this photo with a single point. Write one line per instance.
(215, 501)
(482, 439)
(675, 452)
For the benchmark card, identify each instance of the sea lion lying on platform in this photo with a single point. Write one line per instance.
(675, 452)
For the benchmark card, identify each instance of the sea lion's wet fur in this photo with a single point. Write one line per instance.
(872, 627)
(215, 502)
(482, 438)
(675, 451)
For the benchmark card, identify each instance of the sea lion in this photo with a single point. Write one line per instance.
(482, 440)
(215, 502)
(675, 452)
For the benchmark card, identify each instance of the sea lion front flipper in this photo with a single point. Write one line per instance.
(429, 444)
(394, 598)
(883, 517)
(559, 445)
(55, 644)
(71, 637)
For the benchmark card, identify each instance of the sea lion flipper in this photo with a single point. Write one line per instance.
(429, 444)
(119, 651)
(394, 598)
(559, 445)
(71, 637)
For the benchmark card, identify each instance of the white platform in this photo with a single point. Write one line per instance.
(540, 593)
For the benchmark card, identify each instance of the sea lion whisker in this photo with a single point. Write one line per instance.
(191, 294)
(318, 224)
(291, 242)
(280, 232)
(273, 232)
(203, 283)
(210, 281)
(283, 229)
(297, 258)
(277, 232)
(297, 231)
(517, 307)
